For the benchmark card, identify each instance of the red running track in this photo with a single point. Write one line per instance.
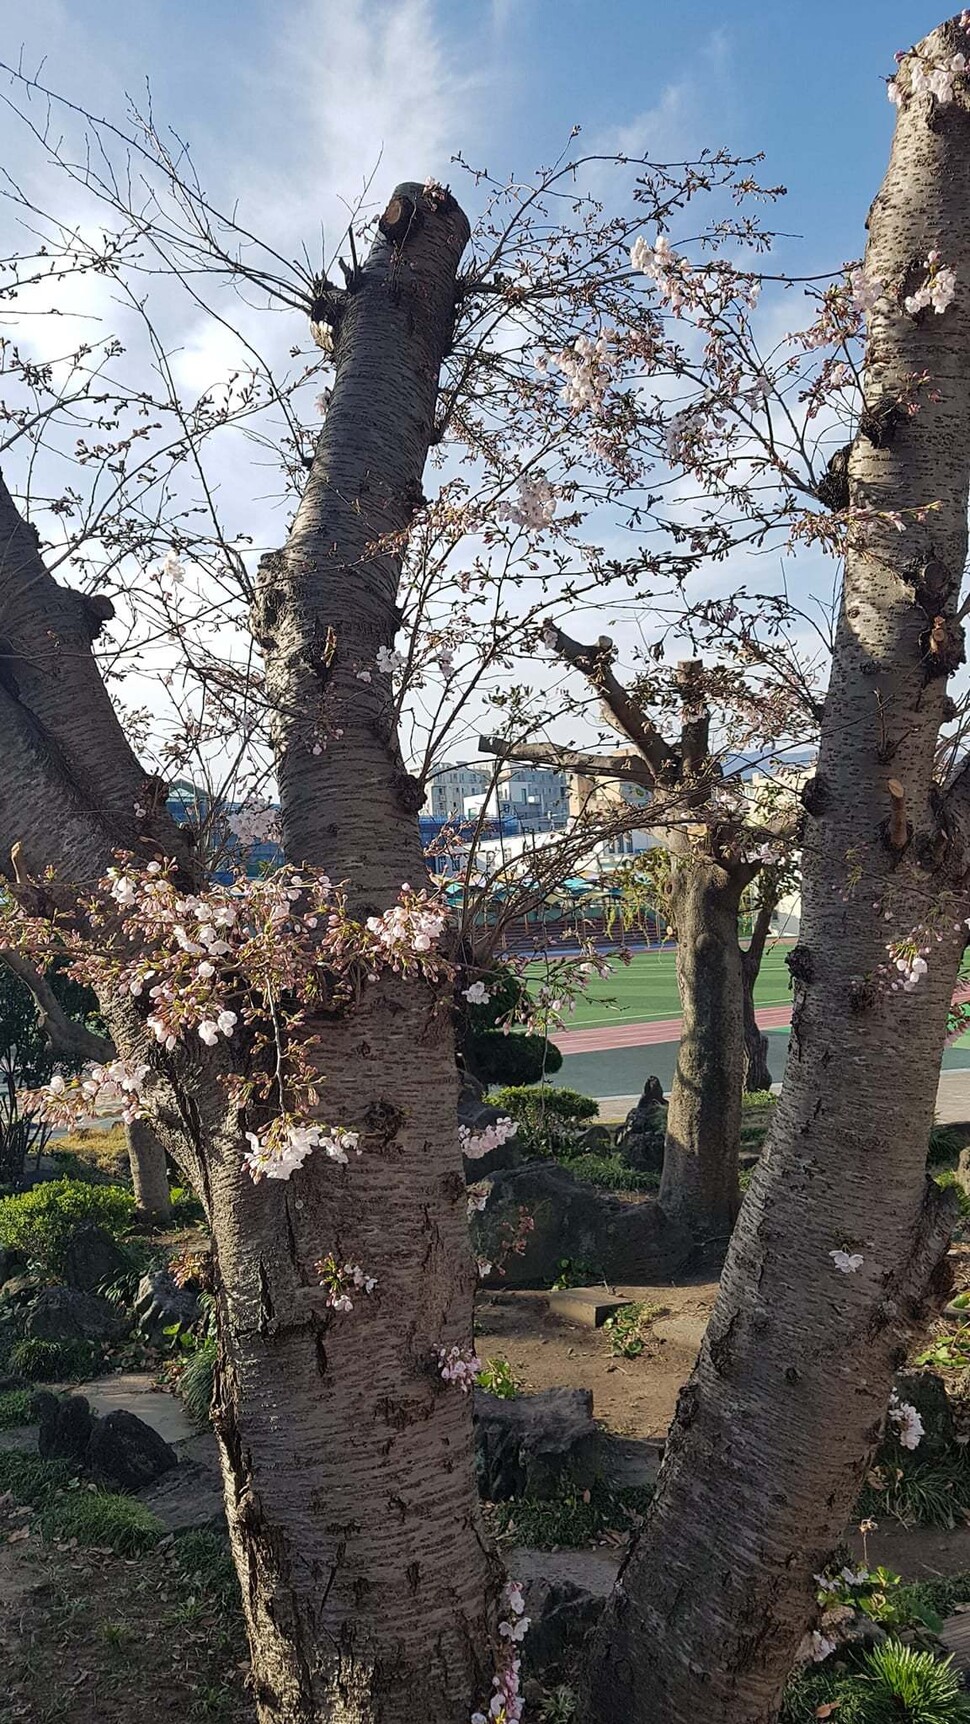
(649, 1035)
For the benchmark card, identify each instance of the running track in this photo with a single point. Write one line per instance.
(649, 1035)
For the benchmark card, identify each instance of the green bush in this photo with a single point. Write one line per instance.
(898, 1683)
(196, 1381)
(497, 1377)
(15, 1408)
(42, 1222)
(891, 1684)
(611, 1173)
(52, 1361)
(549, 1120)
(487, 1051)
(516, 1058)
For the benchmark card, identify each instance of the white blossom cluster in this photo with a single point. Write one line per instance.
(459, 1365)
(930, 78)
(254, 823)
(387, 661)
(847, 1261)
(340, 1281)
(407, 928)
(937, 291)
(475, 1144)
(119, 1080)
(908, 1424)
(866, 289)
(588, 370)
(665, 267)
(534, 507)
(477, 994)
(506, 1704)
(278, 1154)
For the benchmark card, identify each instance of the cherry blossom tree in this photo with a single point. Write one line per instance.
(567, 366)
(840, 1246)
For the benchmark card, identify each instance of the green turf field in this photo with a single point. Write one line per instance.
(646, 988)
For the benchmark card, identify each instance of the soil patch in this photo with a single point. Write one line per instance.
(634, 1397)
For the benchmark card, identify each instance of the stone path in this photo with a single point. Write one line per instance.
(135, 1392)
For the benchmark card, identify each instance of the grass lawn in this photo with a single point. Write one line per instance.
(647, 988)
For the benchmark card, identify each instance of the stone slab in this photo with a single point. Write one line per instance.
(955, 1635)
(587, 1305)
(685, 1331)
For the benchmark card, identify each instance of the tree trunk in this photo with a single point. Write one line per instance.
(348, 1462)
(756, 1073)
(149, 1173)
(699, 1183)
(773, 1431)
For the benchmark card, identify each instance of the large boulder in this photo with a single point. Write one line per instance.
(160, 1304)
(475, 1113)
(566, 1592)
(125, 1452)
(92, 1259)
(525, 1446)
(65, 1423)
(119, 1450)
(67, 1314)
(618, 1240)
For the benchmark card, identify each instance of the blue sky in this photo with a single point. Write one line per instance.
(290, 104)
(307, 91)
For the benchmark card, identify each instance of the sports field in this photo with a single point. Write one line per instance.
(646, 989)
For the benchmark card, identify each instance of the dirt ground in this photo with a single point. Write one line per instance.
(633, 1397)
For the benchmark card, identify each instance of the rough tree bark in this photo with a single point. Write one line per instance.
(772, 1433)
(757, 1075)
(699, 1182)
(348, 1463)
(149, 1173)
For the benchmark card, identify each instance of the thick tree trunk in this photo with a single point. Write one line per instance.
(699, 1183)
(348, 1463)
(149, 1172)
(757, 1075)
(772, 1433)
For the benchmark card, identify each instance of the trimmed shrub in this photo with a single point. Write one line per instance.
(549, 1120)
(42, 1222)
(487, 1051)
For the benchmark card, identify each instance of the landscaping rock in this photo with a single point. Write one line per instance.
(93, 1258)
(67, 1314)
(621, 1241)
(595, 1140)
(925, 1391)
(686, 1330)
(65, 1423)
(525, 1446)
(125, 1452)
(119, 1450)
(11, 1263)
(19, 1289)
(640, 1139)
(188, 1498)
(475, 1113)
(565, 1595)
(160, 1303)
